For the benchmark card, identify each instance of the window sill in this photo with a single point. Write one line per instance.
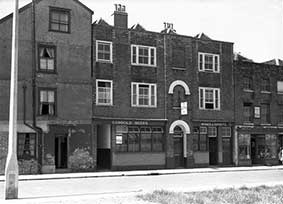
(104, 61)
(46, 72)
(179, 69)
(209, 71)
(265, 92)
(143, 65)
(267, 124)
(250, 124)
(108, 105)
(202, 109)
(248, 90)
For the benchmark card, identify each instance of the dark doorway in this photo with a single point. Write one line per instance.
(227, 155)
(253, 149)
(61, 152)
(258, 149)
(213, 151)
(280, 140)
(103, 147)
(178, 147)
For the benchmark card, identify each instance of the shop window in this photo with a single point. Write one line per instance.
(121, 138)
(265, 113)
(26, 146)
(248, 113)
(133, 139)
(200, 139)
(145, 139)
(280, 115)
(47, 58)
(47, 102)
(103, 51)
(59, 20)
(139, 139)
(244, 146)
(212, 132)
(226, 131)
(271, 146)
(279, 87)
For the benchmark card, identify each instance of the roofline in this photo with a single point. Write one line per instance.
(37, 1)
(257, 63)
(176, 34)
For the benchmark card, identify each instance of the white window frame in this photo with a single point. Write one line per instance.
(226, 130)
(104, 42)
(111, 92)
(202, 102)
(280, 84)
(213, 130)
(149, 94)
(215, 69)
(137, 55)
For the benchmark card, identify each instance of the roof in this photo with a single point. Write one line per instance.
(101, 22)
(277, 62)
(138, 27)
(37, 1)
(240, 57)
(202, 36)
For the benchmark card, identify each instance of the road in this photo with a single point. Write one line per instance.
(140, 184)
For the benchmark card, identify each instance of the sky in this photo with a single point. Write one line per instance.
(254, 26)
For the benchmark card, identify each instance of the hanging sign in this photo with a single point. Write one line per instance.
(184, 108)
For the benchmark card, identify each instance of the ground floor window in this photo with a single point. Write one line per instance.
(26, 146)
(200, 139)
(139, 139)
(244, 146)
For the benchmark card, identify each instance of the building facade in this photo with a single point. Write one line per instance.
(258, 112)
(94, 96)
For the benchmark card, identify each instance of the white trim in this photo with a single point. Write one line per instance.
(202, 106)
(149, 93)
(202, 69)
(182, 124)
(111, 92)
(104, 42)
(137, 55)
(181, 83)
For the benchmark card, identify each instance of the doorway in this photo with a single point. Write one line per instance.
(178, 140)
(227, 148)
(61, 152)
(104, 147)
(213, 151)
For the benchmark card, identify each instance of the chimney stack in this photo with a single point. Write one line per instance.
(120, 17)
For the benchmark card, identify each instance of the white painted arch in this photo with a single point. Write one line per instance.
(180, 83)
(182, 124)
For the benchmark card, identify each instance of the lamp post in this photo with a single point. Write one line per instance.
(12, 170)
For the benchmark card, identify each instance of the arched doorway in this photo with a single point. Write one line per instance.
(179, 131)
(178, 141)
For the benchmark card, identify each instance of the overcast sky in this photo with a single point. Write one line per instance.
(255, 26)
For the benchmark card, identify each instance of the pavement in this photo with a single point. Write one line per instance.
(142, 173)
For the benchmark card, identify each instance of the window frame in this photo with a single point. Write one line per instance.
(55, 59)
(251, 111)
(265, 116)
(55, 101)
(136, 47)
(250, 83)
(110, 48)
(111, 92)
(202, 98)
(60, 10)
(137, 84)
(34, 145)
(202, 63)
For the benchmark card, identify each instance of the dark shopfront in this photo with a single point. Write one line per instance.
(259, 145)
(130, 144)
(212, 143)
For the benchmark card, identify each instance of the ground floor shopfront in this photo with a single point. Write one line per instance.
(258, 145)
(213, 143)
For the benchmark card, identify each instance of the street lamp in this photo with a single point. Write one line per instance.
(12, 170)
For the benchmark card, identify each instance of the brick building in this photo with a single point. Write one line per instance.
(258, 111)
(96, 96)
(54, 103)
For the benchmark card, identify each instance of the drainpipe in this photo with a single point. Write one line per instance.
(37, 129)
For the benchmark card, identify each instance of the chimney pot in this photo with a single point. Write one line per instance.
(120, 16)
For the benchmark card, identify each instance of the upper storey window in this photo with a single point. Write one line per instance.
(59, 20)
(47, 58)
(208, 62)
(248, 83)
(143, 55)
(103, 51)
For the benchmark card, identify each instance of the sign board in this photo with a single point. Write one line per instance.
(126, 122)
(119, 139)
(184, 108)
(257, 112)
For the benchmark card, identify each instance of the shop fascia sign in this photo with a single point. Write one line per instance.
(213, 124)
(129, 122)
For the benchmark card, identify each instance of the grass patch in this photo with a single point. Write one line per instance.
(243, 195)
